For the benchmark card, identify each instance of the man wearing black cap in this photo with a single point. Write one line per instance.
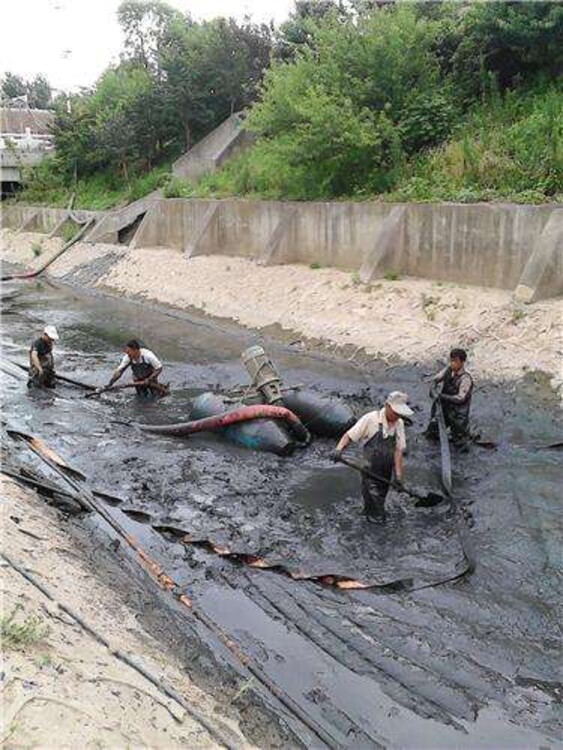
(455, 397)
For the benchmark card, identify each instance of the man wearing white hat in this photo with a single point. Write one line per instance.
(41, 360)
(382, 434)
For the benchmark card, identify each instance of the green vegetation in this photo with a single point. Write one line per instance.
(509, 148)
(37, 249)
(355, 99)
(518, 314)
(415, 102)
(18, 635)
(176, 81)
(36, 92)
(69, 230)
(98, 191)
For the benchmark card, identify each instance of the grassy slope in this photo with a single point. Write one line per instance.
(97, 192)
(505, 149)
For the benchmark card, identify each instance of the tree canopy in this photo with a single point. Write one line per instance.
(346, 98)
(176, 80)
(36, 92)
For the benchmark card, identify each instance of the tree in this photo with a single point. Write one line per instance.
(39, 93)
(239, 56)
(13, 86)
(299, 30)
(211, 70)
(346, 113)
(513, 41)
(145, 24)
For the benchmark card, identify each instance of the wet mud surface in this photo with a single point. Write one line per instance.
(471, 663)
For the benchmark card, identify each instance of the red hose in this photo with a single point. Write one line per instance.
(228, 418)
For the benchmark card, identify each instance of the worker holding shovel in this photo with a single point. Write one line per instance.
(145, 366)
(382, 434)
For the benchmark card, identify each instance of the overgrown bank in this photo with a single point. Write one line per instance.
(421, 101)
(509, 148)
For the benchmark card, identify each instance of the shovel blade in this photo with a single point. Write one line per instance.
(430, 500)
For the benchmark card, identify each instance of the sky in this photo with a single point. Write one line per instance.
(72, 41)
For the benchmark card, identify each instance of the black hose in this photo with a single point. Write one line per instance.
(33, 274)
(446, 466)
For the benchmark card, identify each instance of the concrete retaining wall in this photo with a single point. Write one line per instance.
(38, 218)
(483, 244)
(504, 246)
(215, 149)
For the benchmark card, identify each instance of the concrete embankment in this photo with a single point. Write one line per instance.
(513, 247)
(405, 320)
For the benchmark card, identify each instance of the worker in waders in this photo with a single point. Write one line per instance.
(41, 360)
(382, 434)
(453, 387)
(145, 366)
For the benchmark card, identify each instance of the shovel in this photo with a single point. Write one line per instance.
(161, 388)
(423, 500)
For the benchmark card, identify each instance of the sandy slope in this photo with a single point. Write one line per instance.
(66, 689)
(410, 320)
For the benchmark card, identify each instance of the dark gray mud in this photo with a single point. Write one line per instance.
(415, 663)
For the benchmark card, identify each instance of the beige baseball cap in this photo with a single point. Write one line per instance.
(51, 332)
(398, 402)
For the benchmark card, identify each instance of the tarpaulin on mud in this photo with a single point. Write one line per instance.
(418, 549)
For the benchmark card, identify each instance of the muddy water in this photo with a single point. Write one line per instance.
(470, 664)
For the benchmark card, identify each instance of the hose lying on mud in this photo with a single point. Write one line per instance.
(156, 572)
(228, 418)
(124, 657)
(74, 478)
(33, 274)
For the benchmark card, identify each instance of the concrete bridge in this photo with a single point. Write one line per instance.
(25, 139)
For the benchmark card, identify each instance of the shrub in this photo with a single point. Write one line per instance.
(18, 635)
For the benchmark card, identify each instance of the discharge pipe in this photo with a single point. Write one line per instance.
(228, 418)
(32, 274)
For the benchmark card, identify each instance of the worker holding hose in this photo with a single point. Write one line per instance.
(41, 360)
(453, 387)
(145, 366)
(382, 434)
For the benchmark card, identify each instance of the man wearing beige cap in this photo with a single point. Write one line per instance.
(41, 360)
(382, 434)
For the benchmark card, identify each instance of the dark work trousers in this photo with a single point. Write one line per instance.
(142, 371)
(456, 417)
(379, 455)
(46, 379)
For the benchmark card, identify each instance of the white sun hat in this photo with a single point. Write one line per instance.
(398, 402)
(51, 332)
